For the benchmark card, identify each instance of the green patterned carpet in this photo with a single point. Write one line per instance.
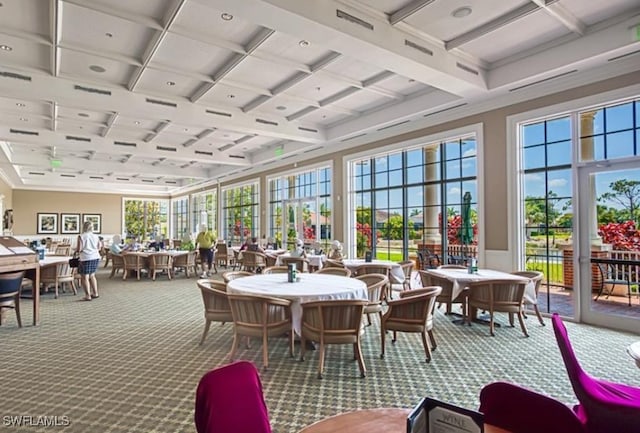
(130, 362)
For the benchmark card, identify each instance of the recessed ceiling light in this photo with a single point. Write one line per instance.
(171, 83)
(227, 17)
(97, 68)
(225, 135)
(137, 122)
(186, 129)
(5, 48)
(281, 107)
(304, 43)
(231, 96)
(20, 104)
(411, 80)
(462, 12)
(83, 115)
(24, 119)
(109, 35)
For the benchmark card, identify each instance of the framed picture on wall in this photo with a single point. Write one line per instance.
(69, 223)
(96, 220)
(47, 223)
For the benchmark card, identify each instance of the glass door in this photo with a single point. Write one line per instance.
(300, 222)
(609, 214)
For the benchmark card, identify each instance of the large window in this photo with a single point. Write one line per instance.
(204, 210)
(146, 219)
(300, 208)
(398, 199)
(180, 217)
(240, 212)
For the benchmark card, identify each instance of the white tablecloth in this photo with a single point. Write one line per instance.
(461, 279)
(396, 275)
(316, 260)
(634, 351)
(311, 287)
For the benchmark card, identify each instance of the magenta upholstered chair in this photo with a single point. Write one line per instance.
(604, 407)
(520, 410)
(229, 400)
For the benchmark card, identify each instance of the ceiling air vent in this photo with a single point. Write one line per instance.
(96, 177)
(6, 74)
(125, 143)
(23, 132)
(36, 173)
(313, 149)
(632, 53)
(542, 81)
(351, 138)
(467, 68)
(302, 128)
(147, 180)
(266, 122)
(418, 47)
(444, 109)
(92, 90)
(353, 19)
(203, 152)
(226, 146)
(189, 142)
(76, 138)
(122, 178)
(395, 124)
(67, 175)
(161, 102)
(218, 113)
(237, 156)
(171, 182)
(166, 149)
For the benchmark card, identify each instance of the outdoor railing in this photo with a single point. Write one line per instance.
(622, 271)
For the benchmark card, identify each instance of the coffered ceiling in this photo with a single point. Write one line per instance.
(151, 96)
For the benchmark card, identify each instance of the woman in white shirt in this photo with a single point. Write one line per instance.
(88, 247)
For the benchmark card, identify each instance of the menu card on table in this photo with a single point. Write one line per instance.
(434, 416)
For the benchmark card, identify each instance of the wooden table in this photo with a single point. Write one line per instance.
(372, 421)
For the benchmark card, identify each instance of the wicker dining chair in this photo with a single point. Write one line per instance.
(216, 304)
(232, 275)
(262, 317)
(375, 288)
(336, 321)
(275, 270)
(117, 264)
(413, 312)
(342, 272)
(133, 262)
(498, 296)
(10, 288)
(536, 277)
(302, 264)
(447, 292)
(160, 262)
(253, 261)
(186, 262)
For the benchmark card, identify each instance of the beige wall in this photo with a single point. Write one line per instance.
(27, 204)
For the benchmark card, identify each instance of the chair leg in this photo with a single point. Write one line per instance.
(511, 319)
(56, 291)
(291, 343)
(358, 353)
(234, 346)
(425, 344)
(491, 324)
(303, 344)
(522, 325)
(432, 339)
(17, 309)
(321, 363)
(265, 351)
(382, 339)
(535, 308)
(207, 325)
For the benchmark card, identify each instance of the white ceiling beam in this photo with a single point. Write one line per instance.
(133, 104)
(55, 20)
(557, 11)
(109, 9)
(381, 44)
(408, 10)
(596, 46)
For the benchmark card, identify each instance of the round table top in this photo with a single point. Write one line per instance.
(371, 421)
(310, 286)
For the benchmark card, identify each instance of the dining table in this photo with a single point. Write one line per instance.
(396, 274)
(316, 261)
(461, 278)
(309, 287)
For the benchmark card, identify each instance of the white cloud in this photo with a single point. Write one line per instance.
(557, 183)
(454, 190)
(470, 152)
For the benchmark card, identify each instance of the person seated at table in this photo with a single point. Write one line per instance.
(271, 244)
(116, 246)
(335, 251)
(254, 246)
(134, 245)
(298, 251)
